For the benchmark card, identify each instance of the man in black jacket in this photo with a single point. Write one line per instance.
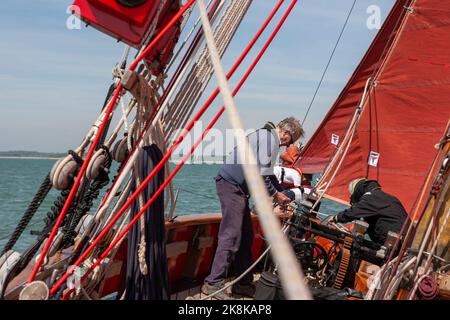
(383, 212)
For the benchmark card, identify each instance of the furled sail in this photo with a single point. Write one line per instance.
(404, 112)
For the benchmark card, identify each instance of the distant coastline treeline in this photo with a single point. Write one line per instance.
(31, 154)
(54, 155)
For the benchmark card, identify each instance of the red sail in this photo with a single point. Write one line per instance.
(405, 112)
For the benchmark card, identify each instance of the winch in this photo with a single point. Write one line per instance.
(331, 257)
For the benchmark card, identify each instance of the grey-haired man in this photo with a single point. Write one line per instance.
(236, 228)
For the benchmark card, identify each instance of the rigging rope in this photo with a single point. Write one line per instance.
(428, 262)
(181, 108)
(329, 61)
(28, 255)
(84, 206)
(438, 159)
(166, 94)
(151, 122)
(399, 24)
(343, 148)
(160, 164)
(29, 213)
(290, 273)
(190, 33)
(108, 112)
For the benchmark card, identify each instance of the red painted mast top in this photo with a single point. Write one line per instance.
(127, 23)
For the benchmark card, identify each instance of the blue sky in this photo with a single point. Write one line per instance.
(53, 80)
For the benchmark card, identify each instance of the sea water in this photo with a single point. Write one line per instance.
(21, 178)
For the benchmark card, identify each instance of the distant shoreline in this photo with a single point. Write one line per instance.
(54, 158)
(197, 162)
(28, 158)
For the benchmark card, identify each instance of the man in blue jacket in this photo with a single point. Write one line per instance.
(236, 228)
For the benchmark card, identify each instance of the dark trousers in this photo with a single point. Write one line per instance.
(235, 234)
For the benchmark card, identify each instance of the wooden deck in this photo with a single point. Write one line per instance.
(196, 294)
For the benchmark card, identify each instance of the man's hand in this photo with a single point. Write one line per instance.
(281, 198)
(332, 219)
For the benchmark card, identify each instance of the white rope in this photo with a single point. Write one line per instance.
(102, 211)
(93, 280)
(186, 67)
(290, 272)
(187, 99)
(190, 33)
(100, 214)
(124, 117)
(395, 282)
(120, 202)
(140, 116)
(91, 133)
(378, 280)
(123, 122)
(126, 53)
(341, 152)
(436, 209)
(202, 71)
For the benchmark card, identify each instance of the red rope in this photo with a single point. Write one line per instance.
(191, 124)
(177, 168)
(428, 288)
(158, 105)
(108, 112)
